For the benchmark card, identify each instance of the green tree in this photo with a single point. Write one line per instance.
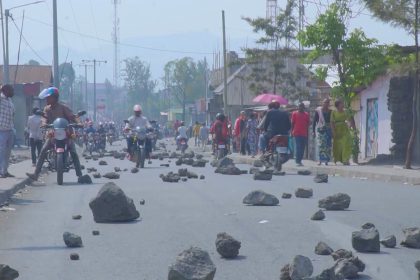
(67, 76)
(138, 81)
(357, 58)
(403, 14)
(270, 66)
(185, 80)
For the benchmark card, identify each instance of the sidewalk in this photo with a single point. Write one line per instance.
(9, 186)
(373, 172)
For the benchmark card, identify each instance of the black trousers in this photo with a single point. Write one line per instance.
(36, 145)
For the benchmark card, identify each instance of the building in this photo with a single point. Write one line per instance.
(28, 81)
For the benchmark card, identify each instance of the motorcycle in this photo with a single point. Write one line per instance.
(62, 133)
(110, 138)
(221, 150)
(139, 136)
(91, 143)
(183, 145)
(279, 152)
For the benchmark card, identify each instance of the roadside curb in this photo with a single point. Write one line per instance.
(7, 194)
(349, 173)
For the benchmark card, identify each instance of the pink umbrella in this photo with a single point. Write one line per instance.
(266, 98)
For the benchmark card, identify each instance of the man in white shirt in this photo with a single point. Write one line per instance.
(137, 120)
(35, 133)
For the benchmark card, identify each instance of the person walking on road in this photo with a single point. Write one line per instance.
(7, 114)
(342, 142)
(252, 134)
(239, 133)
(321, 128)
(204, 135)
(35, 134)
(196, 133)
(300, 124)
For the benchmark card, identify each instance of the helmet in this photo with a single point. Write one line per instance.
(51, 91)
(220, 117)
(274, 104)
(137, 108)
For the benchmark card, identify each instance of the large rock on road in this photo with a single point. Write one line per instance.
(366, 240)
(192, 264)
(227, 246)
(112, 205)
(339, 201)
(8, 273)
(411, 238)
(260, 198)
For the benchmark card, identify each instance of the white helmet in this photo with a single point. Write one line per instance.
(137, 108)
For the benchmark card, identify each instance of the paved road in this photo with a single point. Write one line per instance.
(177, 216)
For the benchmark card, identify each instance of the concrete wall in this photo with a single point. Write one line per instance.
(379, 89)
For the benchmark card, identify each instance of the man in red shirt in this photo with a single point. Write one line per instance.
(300, 125)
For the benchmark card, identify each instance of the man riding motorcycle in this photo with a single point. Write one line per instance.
(52, 111)
(102, 136)
(182, 134)
(221, 132)
(137, 120)
(277, 122)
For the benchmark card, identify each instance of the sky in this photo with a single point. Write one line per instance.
(156, 31)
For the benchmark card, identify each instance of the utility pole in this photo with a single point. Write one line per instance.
(94, 61)
(206, 81)
(225, 109)
(6, 75)
(5, 35)
(55, 46)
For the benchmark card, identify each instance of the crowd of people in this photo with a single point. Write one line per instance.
(251, 132)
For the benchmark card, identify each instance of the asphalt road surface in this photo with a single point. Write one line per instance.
(179, 215)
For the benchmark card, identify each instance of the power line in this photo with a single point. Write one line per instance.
(27, 43)
(94, 26)
(75, 22)
(121, 44)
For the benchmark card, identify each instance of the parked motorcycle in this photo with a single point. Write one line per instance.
(62, 133)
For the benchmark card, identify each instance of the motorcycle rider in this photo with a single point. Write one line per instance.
(102, 135)
(277, 122)
(53, 110)
(137, 120)
(182, 134)
(221, 131)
